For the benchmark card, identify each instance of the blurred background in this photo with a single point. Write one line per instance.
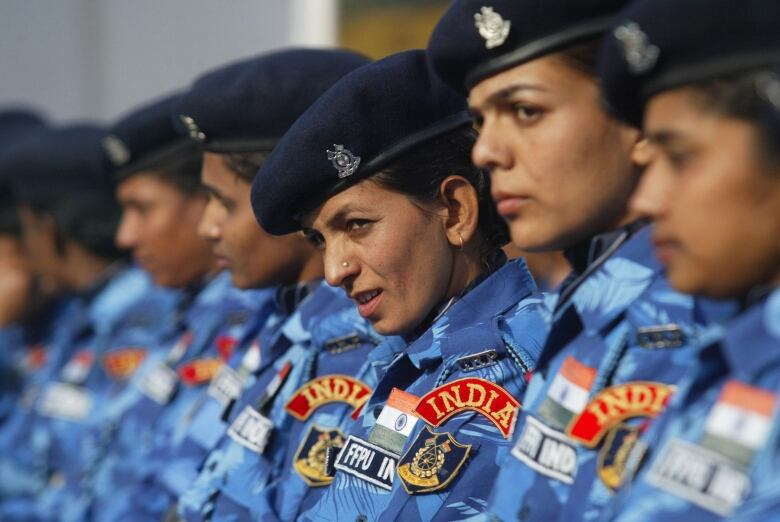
(97, 59)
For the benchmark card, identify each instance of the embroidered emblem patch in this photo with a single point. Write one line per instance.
(479, 395)
(640, 54)
(492, 27)
(251, 429)
(547, 451)
(700, 476)
(343, 160)
(324, 390)
(368, 462)
(396, 421)
(615, 404)
(121, 364)
(432, 462)
(310, 459)
(614, 455)
(200, 371)
(660, 337)
(568, 393)
(739, 423)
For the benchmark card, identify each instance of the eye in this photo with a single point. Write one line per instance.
(526, 113)
(354, 225)
(315, 238)
(679, 159)
(477, 121)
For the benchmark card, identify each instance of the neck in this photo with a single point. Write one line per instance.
(82, 268)
(467, 266)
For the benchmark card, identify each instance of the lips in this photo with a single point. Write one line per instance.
(509, 204)
(665, 249)
(367, 301)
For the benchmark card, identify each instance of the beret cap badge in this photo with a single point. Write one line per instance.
(192, 128)
(492, 27)
(768, 87)
(343, 160)
(116, 150)
(640, 54)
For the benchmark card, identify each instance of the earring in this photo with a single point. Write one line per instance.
(461, 240)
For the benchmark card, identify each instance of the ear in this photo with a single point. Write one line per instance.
(642, 152)
(461, 204)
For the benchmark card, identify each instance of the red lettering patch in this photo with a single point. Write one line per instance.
(200, 371)
(121, 364)
(616, 404)
(480, 395)
(326, 389)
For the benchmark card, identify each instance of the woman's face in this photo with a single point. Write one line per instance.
(561, 169)
(390, 254)
(715, 203)
(255, 258)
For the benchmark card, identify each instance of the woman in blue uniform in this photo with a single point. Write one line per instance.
(711, 111)
(377, 174)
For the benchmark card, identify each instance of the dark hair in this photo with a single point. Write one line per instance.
(741, 96)
(419, 172)
(582, 56)
(183, 171)
(245, 164)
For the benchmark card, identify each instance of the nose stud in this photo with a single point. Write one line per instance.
(345, 264)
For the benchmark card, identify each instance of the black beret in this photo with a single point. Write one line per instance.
(248, 105)
(15, 123)
(368, 118)
(145, 139)
(56, 163)
(657, 45)
(477, 39)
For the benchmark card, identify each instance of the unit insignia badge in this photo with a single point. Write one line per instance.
(192, 128)
(310, 459)
(491, 27)
(638, 51)
(614, 455)
(116, 150)
(343, 160)
(431, 462)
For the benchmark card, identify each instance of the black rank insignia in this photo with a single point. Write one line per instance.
(311, 458)
(432, 462)
(614, 455)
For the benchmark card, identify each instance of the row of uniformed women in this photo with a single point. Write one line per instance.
(442, 386)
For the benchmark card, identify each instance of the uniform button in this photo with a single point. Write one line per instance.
(361, 518)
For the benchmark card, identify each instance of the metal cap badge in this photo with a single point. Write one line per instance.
(192, 128)
(116, 150)
(638, 51)
(343, 160)
(492, 27)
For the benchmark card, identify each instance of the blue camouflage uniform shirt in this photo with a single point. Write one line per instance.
(713, 455)
(467, 372)
(619, 342)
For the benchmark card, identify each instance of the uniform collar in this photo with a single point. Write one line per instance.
(750, 343)
(498, 292)
(289, 297)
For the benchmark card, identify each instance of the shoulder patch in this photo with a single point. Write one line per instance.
(200, 371)
(432, 462)
(479, 395)
(310, 459)
(367, 462)
(121, 364)
(324, 390)
(615, 404)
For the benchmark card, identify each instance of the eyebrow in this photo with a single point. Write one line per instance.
(663, 137)
(339, 216)
(504, 94)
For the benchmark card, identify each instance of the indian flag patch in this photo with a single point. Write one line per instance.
(568, 393)
(739, 423)
(396, 422)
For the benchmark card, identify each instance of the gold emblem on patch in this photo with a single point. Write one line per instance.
(614, 455)
(424, 468)
(309, 460)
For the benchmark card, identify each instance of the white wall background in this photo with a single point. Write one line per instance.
(97, 59)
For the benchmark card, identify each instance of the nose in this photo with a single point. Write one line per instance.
(653, 193)
(210, 224)
(127, 233)
(340, 268)
(491, 150)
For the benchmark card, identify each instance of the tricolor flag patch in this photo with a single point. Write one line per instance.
(396, 422)
(568, 393)
(200, 371)
(739, 423)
